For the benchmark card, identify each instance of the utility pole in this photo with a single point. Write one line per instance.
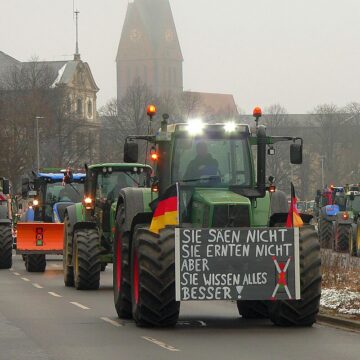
(38, 142)
(322, 159)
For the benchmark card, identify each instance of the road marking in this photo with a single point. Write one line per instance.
(11, 269)
(54, 294)
(160, 343)
(16, 273)
(56, 265)
(112, 322)
(37, 286)
(79, 305)
(25, 279)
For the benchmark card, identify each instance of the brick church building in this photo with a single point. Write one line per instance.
(149, 49)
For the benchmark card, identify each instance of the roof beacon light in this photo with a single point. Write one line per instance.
(153, 154)
(257, 112)
(151, 110)
(195, 127)
(230, 127)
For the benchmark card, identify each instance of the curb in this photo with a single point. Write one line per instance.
(339, 321)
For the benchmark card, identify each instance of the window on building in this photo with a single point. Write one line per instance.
(79, 107)
(90, 109)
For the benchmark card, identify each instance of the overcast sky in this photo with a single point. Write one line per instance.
(298, 53)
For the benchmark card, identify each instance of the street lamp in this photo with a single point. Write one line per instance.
(38, 142)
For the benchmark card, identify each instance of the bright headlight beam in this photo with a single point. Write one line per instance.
(230, 126)
(195, 127)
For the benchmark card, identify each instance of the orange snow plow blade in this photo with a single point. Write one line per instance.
(39, 238)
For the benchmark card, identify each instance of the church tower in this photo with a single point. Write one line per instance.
(149, 48)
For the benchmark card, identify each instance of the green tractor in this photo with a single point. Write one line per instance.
(347, 225)
(218, 189)
(6, 239)
(89, 226)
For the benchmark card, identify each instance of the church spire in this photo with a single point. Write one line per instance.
(77, 54)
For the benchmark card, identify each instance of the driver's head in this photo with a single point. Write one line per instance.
(201, 149)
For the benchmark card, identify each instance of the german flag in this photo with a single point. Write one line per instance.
(166, 212)
(293, 218)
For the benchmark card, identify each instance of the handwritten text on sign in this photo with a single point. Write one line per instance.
(237, 264)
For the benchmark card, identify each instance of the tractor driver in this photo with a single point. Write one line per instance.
(203, 164)
(121, 183)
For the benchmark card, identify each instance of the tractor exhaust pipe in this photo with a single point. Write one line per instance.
(261, 160)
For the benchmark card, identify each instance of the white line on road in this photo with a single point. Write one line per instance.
(55, 265)
(25, 279)
(79, 305)
(11, 269)
(54, 294)
(160, 343)
(16, 273)
(112, 322)
(37, 286)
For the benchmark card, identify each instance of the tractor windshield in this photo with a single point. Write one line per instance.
(109, 185)
(58, 192)
(212, 161)
(355, 204)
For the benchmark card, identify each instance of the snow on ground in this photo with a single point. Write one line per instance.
(344, 301)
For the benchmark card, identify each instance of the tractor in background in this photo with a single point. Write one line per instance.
(225, 193)
(40, 231)
(328, 202)
(6, 239)
(90, 224)
(347, 225)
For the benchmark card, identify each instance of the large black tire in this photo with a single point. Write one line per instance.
(35, 262)
(86, 259)
(343, 237)
(153, 278)
(302, 312)
(121, 268)
(326, 233)
(253, 309)
(67, 254)
(6, 244)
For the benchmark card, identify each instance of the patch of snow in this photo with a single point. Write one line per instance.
(343, 301)
(59, 76)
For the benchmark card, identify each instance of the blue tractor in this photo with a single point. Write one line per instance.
(41, 228)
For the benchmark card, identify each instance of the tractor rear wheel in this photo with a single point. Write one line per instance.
(121, 268)
(326, 233)
(252, 309)
(67, 256)
(343, 237)
(35, 262)
(153, 278)
(86, 259)
(6, 245)
(302, 312)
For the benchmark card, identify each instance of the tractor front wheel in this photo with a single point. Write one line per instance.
(343, 237)
(302, 312)
(6, 245)
(326, 233)
(67, 256)
(153, 278)
(86, 259)
(121, 268)
(35, 262)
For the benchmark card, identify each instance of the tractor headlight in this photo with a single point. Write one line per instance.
(195, 127)
(230, 126)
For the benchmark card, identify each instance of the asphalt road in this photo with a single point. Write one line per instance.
(41, 319)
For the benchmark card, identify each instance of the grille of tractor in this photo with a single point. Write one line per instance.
(231, 216)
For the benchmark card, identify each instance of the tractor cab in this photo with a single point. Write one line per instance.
(51, 192)
(102, 187)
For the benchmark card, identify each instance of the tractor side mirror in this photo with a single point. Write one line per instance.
(6, 187)
(20, 206)
(25, 185)
(296, 154)
(271, 151)
(352, 197)
(131, 152)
